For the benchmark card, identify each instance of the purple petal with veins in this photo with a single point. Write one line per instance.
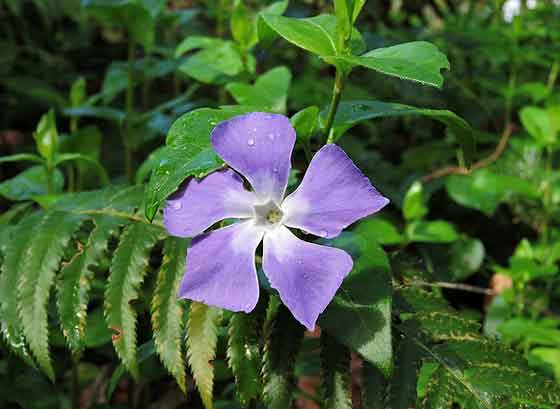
(202, 203)
(259, 146)
(220, 268)
(333, 194)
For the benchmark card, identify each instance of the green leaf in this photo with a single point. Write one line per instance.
(133, 15)
(438, 231)
(244, 356)
(128, 268)
(20, 157)
(242, 24)
(15, 255)
(214, 65)
(282, 336)
(539, 123)
(75, 282)
(202, 338)
(265, 34)
(145, 169)
(188, 153)
(167, 311)
(29, 183)
(78, 92)
(360, 314)
(414, 206)
(305, 122)
(64, 157)
(379, 230)
(485, 189)
(46, 137)
(417, 61)
(315, 34)
(350, 113)
(36, 275)
(95, 112)
(335, 359)
(374, 387)
(270, 90)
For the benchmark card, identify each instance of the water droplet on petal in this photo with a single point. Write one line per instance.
(254, 129)
(251, 142)
(275, 170)
(177, 205)
(323, 233)
(300, 262)
(271, 136)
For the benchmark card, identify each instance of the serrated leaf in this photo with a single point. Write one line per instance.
(202, 338)
(29, 183)
(350, 113)
(167, 311)
(418, 61)
(244, 356)
(36, 276)
(335, 363)
(128, 268)
(282, 337)
(15, 254)
(75, 282)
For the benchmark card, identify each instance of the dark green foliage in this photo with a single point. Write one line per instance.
(335, 360)
(282, 337)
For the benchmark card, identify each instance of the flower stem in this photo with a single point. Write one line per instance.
(339, 81)
(129, 101)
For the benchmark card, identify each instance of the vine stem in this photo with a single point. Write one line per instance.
(129, 101)
(338, 87)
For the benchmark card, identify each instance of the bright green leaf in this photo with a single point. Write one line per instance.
(438, 231)
(414, 205)
(305, 122)
(46, 137)
(29, 183)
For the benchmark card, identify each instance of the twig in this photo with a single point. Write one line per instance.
(463, 170)
(455, 286)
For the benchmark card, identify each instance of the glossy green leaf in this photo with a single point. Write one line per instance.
(360, 314)
(46, 137)
(379, 230)
(351, 113)
(242, 24)
(270, 91)
(75, 283)
(214, 65)
(202, 338)
(264, 33)
(305, 122)
(335, 362)
(244, 356)
(21, 157)
(438, 231)
(188, 153)
(417, 61)
(485, 189)
(36, 276)
(167, 310)
(282, 337)
(540, 124)
(29, 183)
(315, 34)
(78, 92)
(414, 205)
(128, 268)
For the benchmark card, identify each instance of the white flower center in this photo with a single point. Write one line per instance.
(268, 215)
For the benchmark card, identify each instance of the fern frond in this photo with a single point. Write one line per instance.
(36, 276)
(283, 336)
(335, 359)
(128, 268)
(74, 286)
(167, 311)
(202, 338)
(244, 356)
(15, 253)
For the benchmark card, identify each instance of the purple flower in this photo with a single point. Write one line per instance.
(220, 266)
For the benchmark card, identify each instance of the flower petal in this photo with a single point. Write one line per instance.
(202, 203)
(221, 268)
(306, 275)
(334, 193)
(259, 146)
